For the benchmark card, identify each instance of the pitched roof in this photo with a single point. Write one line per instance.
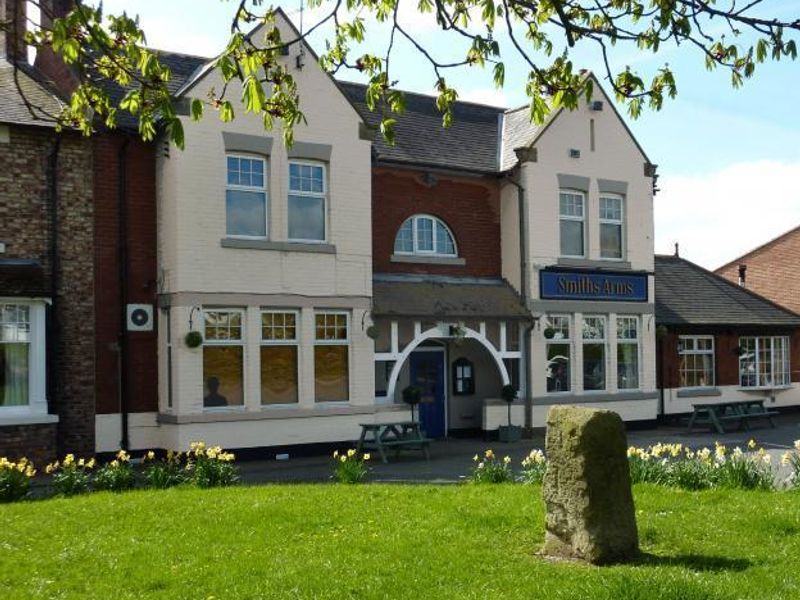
(448, 297)
(776, 240)
(688, 294)
(26, 84)
(518, 132)
(470, 144)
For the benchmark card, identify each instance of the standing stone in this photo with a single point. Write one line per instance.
(587, 487)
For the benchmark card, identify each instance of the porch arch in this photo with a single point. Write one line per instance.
(436, 333)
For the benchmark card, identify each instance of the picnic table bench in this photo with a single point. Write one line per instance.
(403, 435)
(717, 415)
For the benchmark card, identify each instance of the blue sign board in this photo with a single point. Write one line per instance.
(581, 285)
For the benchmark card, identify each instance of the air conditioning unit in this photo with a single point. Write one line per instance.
(140, 317)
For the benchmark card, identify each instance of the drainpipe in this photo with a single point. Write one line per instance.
(524, 293)
(122, 265)
(53, 329)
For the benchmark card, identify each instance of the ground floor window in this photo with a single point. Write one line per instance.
(463, 377)
(764, 361)
(15, 352)
(279, 357)
(223, 358)
(696, 354)
(558, 353)
(331, 357)
(627, 353)
(594, 353)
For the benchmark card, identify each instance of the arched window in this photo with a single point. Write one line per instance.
(424, 234)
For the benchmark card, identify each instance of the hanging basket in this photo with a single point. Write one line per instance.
(373, 332)
(193, 339)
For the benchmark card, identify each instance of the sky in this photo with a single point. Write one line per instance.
(728, 160)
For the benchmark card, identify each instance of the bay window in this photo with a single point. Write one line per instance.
(331, 357)
(307, 193)
(223, 358)
(627, 353)
(278, 357)
(558, 352)
(246, 197)
(594, 353)
(572, 223)
(696, 361)
(764, 361)
(611, 227)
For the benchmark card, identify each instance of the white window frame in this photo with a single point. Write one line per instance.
(336, 342)
(618, 222)
(240, 342)
(293, 342)
(35, 411)
(595, 341)
(416, 251)
(759, 340)
(568, 341)
(581, 220)
(628, 341)
(683, 352)
(248, 188)
(323, 196)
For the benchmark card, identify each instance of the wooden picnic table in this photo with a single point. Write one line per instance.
(401, 435)
(717, 414)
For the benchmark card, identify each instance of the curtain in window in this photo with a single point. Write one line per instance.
(13, 374)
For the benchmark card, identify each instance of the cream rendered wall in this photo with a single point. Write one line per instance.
(673, 404)
(509, 234)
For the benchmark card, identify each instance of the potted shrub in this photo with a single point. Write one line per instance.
(509, 433)
(412, 396)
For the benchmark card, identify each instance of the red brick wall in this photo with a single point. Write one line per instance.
(35, 442)
(25, 214)
(141, 277)
(772, 271)
(469, 206)
(726, 360)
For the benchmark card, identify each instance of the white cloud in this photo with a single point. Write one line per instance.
(723, 214)
(490, 96)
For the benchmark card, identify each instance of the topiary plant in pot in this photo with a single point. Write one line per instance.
(412, 396)
(509, 433)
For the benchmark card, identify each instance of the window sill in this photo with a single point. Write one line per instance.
(266, 414)
(27, 419)
(765, 388)
(452, 261)
(608, 263)
(698, 392)
(245, 244)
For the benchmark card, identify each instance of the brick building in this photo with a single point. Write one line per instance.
(47, 354)
(771, 270)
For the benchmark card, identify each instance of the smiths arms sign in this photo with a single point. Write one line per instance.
(577, 285)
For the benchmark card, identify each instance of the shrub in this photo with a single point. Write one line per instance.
(116, 476)
(71, 477)
(164, 473)
(349, 467)
(15, 479)
(210, 467)
(490, 469)
(533, 467)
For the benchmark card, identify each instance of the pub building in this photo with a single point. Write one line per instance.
(721, 342)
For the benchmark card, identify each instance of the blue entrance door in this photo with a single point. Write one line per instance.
(427, 373)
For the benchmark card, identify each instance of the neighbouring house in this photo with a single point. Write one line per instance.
(47, 324)
(719, 341)
(770, 270)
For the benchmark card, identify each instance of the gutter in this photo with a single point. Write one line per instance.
(53, 326)
(122, 264)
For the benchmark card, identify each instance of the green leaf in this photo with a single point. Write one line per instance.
(197, 109)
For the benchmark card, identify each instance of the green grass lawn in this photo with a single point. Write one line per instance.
(386, 541)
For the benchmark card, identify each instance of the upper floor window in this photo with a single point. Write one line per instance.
(423, 234)
(764, 361)
(307, 192)
(611, 227)
(696, 360)
(572, 223)
(246, 197)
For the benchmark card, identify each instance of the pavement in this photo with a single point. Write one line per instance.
(451, 459)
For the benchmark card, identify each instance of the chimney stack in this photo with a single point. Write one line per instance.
(13, 22)
(743, 275)
(47, 62)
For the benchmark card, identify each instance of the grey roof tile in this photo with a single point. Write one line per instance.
(687, 294)
(518, 132)
(31, 87)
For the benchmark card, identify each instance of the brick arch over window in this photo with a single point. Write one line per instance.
(426, 235)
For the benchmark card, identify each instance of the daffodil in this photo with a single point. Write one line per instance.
(475, 458)
(335, 454)
(343, 458)
(150, 455)
(489, 454)
(507, 460)
(351, 453)
(367, 456)
(797, 444)
(751, 444)
(786, 458)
